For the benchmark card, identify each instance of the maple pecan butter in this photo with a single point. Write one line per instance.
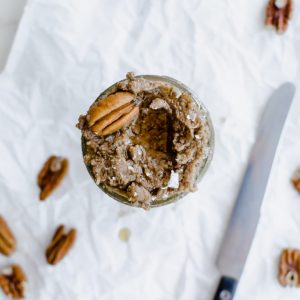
(146, 140)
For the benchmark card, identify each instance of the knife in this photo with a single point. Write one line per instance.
(242, 226)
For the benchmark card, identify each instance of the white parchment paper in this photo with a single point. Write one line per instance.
(64, 55)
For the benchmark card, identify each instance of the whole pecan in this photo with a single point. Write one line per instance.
(112, 113)
(278, 14)
(60, 245)
(12, 282)
(289, 268)
(51, 175)
(7, 239)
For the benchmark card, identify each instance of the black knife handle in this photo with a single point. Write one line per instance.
(226, 289)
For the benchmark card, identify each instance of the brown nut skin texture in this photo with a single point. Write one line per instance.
(48, 180)
(112, 117)
(107, 105)
(7, 240)
(122, 122)
(296, 184)
(278, 17)
(60, 245)
(13, 284)
(289, 268)
(112, 113)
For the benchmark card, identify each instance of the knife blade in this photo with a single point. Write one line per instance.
(245, 215)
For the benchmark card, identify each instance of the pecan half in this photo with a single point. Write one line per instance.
(296, 180)
(7, 239)
(289, 268)
(51, 175)
(278, 14)
(60, 245)
(12, 282)
(112, 113)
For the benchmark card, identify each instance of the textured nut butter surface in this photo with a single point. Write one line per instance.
(158, 153)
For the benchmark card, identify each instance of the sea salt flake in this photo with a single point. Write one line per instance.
(109, 138)
(192, 116)
(174, 180)
(139, 151)
(126, 140)
(159, 103)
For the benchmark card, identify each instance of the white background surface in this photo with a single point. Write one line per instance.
(65, 54)
(10, 13)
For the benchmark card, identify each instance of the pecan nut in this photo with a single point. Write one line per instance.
(7, 239)
(60, 245)
(51, 175)
(289, 268)
(112, 113)
(12, 282)
(296, 180)
(278, 14)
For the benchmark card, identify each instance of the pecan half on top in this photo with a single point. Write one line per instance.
(51, 175)
(12, 282)
(278, 14)
(112, 113)
(296, 180)
(7, 239)
(60, 245)
(289, 268)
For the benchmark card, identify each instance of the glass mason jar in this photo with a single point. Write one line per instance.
(177, 85)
